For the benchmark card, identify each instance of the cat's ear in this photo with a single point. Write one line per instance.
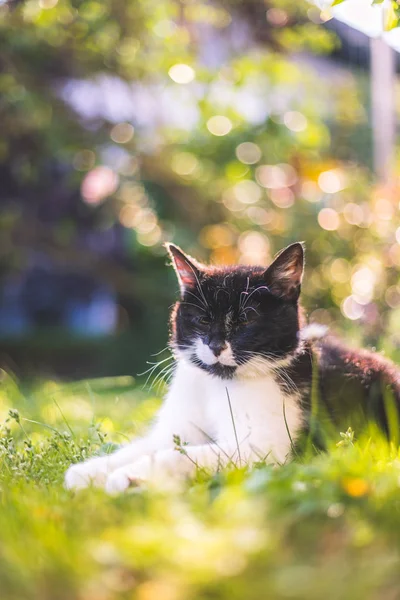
(186, 268)
(283, 277)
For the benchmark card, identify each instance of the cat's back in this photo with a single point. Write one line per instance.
(336, 359)
(355, 384)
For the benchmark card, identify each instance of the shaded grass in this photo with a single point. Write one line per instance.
(326, 526)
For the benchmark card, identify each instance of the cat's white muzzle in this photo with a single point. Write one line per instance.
(207, 356)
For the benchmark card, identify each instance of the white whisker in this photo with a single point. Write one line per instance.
(198, 284)
(205, 305)
(261, 287)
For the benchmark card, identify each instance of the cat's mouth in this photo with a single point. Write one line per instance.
(219, 362)
(217, 369)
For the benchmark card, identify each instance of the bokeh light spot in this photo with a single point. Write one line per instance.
(392, 296)
(332, 181)
(254, 248)
(219, 125)
(295, 121)
(182, 73)
(248, 153)
(150, 238)
(271, 176)
(127, 215)
(353, 213)
(146, 221)
(277, 17)
(184, 163)
(231, 202)
(258, 215)
(283, 197)
(247, 192)
(98, 184)
(362, 284)
(328, 219)
(351, 309)
(122, 133)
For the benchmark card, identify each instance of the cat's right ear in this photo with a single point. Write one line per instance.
(186, 268)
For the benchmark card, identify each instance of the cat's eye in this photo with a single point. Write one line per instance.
(204, 320)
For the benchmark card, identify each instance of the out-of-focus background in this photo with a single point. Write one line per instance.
(230, 127)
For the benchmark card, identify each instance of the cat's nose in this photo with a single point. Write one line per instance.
(217, 346)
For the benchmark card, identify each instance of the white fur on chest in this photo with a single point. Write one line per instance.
(253, 413)
(222, 421)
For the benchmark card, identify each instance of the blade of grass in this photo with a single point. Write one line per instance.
(63, 418)
(234, 427)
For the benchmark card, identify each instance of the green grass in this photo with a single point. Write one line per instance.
(323, 527)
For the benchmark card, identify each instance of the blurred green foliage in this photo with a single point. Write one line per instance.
(224, 126)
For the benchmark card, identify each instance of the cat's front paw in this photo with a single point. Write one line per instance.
(164, 470)
(136, 474)
(92, 472)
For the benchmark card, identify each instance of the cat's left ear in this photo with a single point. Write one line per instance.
(283, 277)
(186, 268)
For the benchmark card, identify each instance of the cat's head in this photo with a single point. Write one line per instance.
(237, 321)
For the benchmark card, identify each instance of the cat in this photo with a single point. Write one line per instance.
(248, 370)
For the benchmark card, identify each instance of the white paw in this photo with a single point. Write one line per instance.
(165, 470)
(117, 482)
(124, 477)
(91, 472)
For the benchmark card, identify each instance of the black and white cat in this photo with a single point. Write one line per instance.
(242, 386)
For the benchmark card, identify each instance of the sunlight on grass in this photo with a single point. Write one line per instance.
(321, 526)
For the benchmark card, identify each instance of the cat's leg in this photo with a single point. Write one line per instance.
(180, 415)
(167, 467)
(96, 470)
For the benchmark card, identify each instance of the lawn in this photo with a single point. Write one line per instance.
(326, 526)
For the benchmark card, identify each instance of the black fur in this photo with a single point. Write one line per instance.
(352, 387)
